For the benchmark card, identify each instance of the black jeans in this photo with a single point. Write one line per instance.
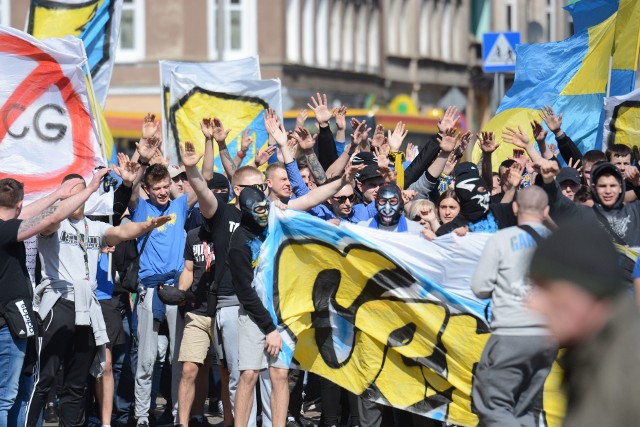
(72, 347)
(331, 395)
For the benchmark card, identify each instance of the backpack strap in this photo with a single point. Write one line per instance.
(532, 232)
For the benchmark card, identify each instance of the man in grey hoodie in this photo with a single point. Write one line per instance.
(508, 382)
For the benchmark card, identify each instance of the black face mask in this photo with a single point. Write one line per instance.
(389, 204)
(474, 197)
(255, 209)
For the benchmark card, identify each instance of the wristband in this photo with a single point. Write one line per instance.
(140, 162)
(241, 154)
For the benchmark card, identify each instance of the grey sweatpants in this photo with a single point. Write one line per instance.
(227, 345)
(148, 351)
(508, 382)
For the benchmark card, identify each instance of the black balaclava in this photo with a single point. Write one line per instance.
(388, 213)
(472, 192)
(255, 209)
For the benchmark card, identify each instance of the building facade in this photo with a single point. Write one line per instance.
(408, 55)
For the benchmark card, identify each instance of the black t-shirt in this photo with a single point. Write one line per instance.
(240, 263)
(220, 227)
(199, 250)
(14, 277)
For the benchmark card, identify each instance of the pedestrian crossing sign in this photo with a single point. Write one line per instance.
(499, 52)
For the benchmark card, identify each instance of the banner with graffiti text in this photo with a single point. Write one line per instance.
(211, 72)
(239, 104)
(47, 129)
(388, 316)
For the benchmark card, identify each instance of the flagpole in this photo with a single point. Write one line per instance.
(609, 77)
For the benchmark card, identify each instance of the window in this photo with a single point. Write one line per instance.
(446, 31)
(132, 32)
(349, 30)
(550, 20)
(361, 38)
(403, 28)
(232, 29)
(394, 27)
(511, 15)
(293, 30)
(308, 23)
(424, 29)
(322, 36)
(373, 45)
(5, 12)
(335, 52)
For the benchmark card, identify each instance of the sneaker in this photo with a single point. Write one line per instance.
(50, 414)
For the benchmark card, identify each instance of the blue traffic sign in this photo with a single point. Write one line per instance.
(499, 52)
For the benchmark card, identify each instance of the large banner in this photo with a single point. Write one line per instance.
(240, 105)
(211, 72)
(96, 22)
(622, 120)
(388, 316)
(47, 129)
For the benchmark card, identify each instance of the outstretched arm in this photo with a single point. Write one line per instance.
(220, 135)
(133, 230)
(320, 194)
(208, 202)
(47, 221)
(39, 205)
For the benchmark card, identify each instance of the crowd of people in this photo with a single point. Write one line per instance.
(160, 300)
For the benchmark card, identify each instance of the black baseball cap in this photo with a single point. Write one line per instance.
(370, 171)
(569, 174)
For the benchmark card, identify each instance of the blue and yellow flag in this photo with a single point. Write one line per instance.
(572, 75)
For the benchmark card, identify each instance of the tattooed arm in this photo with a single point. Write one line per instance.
(315, 167)
(60, 193)
(46, 222)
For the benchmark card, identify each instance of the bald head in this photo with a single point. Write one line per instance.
(532, 201)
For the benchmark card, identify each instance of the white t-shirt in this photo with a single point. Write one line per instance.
(61, 256)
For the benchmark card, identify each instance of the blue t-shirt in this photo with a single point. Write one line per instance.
(165, 247)
(105, 284)
(636, 270)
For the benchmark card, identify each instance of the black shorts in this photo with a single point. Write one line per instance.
(113, 320)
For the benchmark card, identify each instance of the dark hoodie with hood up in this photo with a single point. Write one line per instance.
(623, 220)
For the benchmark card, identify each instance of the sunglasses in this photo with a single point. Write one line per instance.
(262, 187)
(343, 199)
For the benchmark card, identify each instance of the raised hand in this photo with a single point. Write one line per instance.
(246, 141)
(382, 153)
(463, 143)
(206, 126)
(554, 123)
(263, 156)
(378, 137)
(350, 172)
(147, 148)
(449, 120)
(159, 159)
(321, 109)
(292, 144)
(548, 169)
(301, 118)
(341, 117)
(450, 165)
(487, 142)
(514, 175)
(219, 133)
(97, 178)
(410, 153)
(304, 139)
(632, 173)
(396, 137)
(539, 133)
(448, 140)
(553, 147)
(189, 156)
(516, 137)
(575, 165)
(520, 157)
(408, 195)
(150, 126)
(360, 132)
(277, 132)
(126, 169)
(65, 189)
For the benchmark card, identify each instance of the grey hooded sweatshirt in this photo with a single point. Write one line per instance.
(502, 276)
(623, 220)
